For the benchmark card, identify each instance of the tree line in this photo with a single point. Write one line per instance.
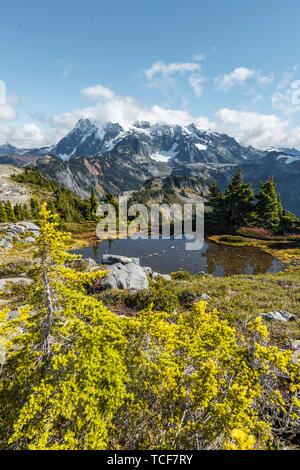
(238, 206)
(61, 201)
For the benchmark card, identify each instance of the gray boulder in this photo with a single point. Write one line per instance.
(29, 240)
(279, 316)
(147, 270)
(167, 277)
(12, 238)
(13, 314)
(127, 276)
(295, 346)
(29, 226)
(205, 297)
(16, 229)
(5, 244)
(89, 264)
(114, 259)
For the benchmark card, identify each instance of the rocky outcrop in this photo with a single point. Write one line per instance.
(19, 281)
(127, 276)
(25, 232)
(31, 227)
(5, 244)
(126, 273)
(113, 259)
(167, 277)
(295, 346)
(279, 316)
(10, 190)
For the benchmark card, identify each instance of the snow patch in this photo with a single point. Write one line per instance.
(165, 156)
(201, 146)
(65, 157)
(288, 159)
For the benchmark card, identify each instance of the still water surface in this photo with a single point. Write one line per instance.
(167, 256)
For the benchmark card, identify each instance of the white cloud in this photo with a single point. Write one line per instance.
(25, 135)
(97, 92)
(239, 76)
(205, 123)
(29, 134)
(160, 68)
(7, 113)
(126, 110)
(198, 57)
(288, 101)
(287, 78)
(196, 82)
(258, 130)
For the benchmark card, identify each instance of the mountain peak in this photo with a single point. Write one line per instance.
(7, 149)
(85, 124)
(142, 124)
(160, 142)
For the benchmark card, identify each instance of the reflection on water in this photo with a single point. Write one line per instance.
(166, 256)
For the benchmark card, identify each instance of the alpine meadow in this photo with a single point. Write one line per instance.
(150, 231)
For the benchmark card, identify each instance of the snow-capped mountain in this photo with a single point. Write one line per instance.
(85, 140)
(160, 142)
(9, 154)
(114, 158)
(8, 149)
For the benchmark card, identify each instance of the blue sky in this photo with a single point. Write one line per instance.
(231, 65)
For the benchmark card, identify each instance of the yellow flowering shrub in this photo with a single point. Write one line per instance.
(77, 376)
(199, 383)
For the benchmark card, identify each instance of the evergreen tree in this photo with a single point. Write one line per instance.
(93, 204)
(268, 207)
(64, 377)
(3, 214)
(17, 212)
(238, 201)
(10, 212)
(63, 201)
(25, 212)
(34, 208)
(289, 222)
(216, 201)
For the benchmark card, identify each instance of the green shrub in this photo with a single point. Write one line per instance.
(15, 268)
(181, 276)
(161, 294)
